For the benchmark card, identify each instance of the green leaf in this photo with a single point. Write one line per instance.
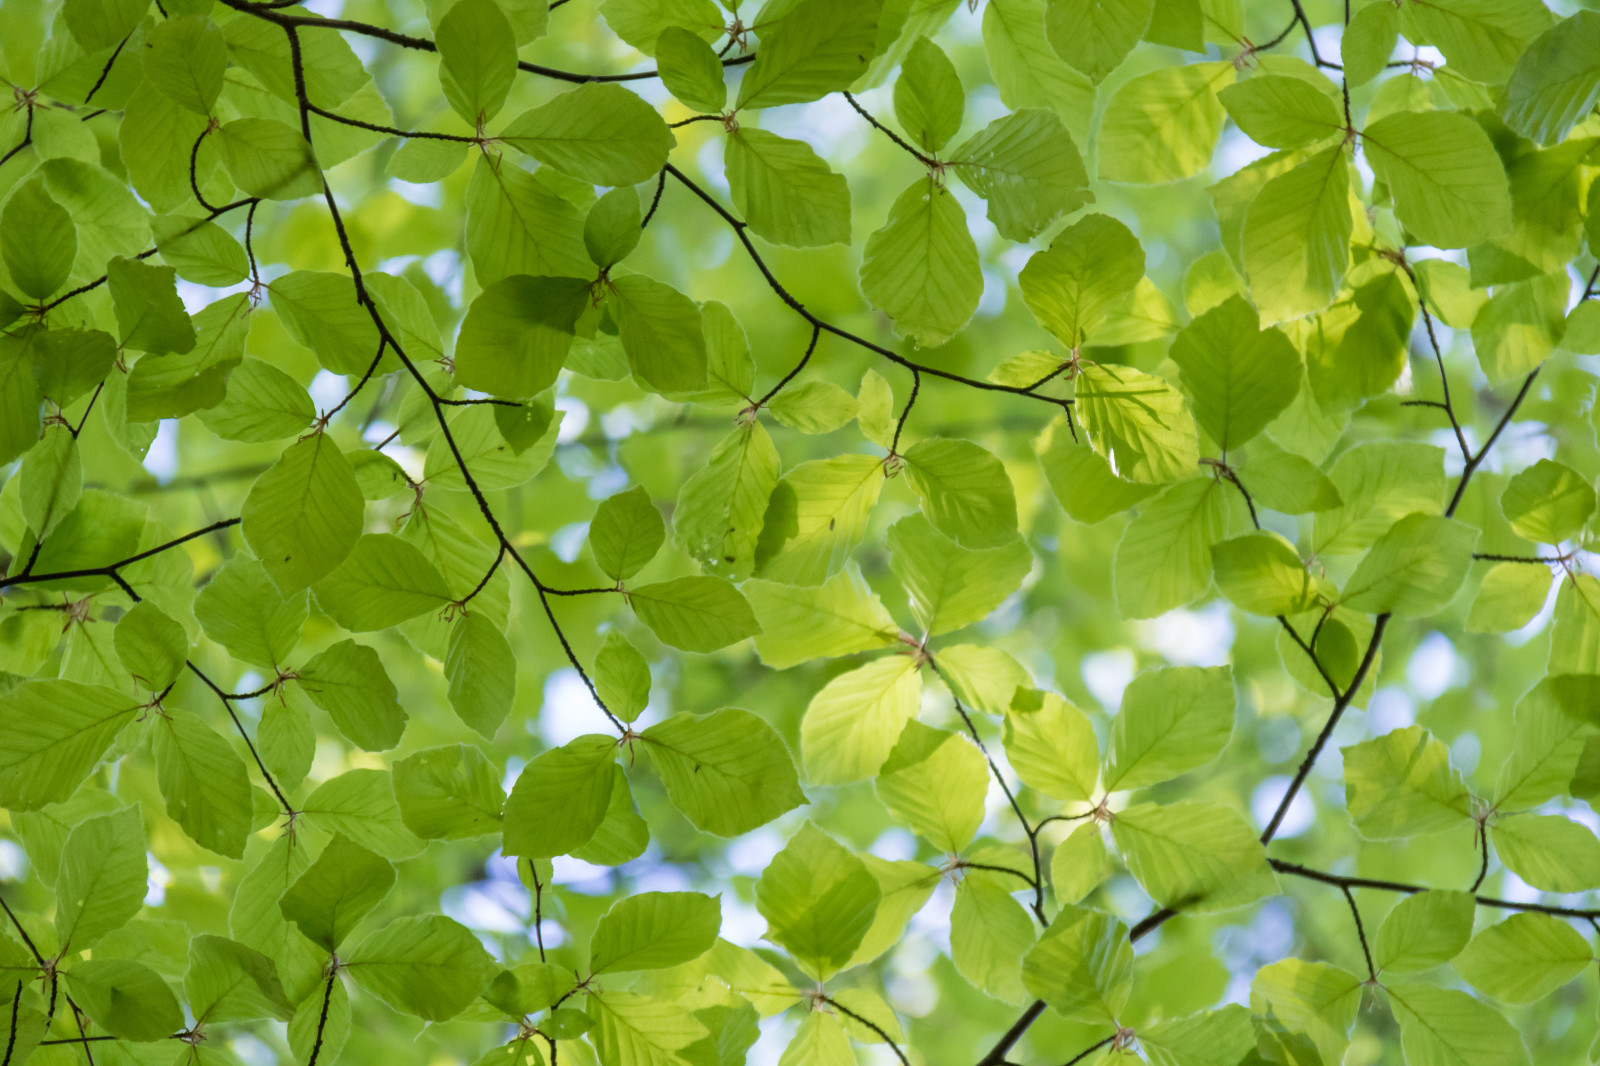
(662, 333)
(52, 734)
(127, 999)
(814, 407)
(477, 59)
(517, 334)
(1548, 502)
(1082, 966)
(612, 228)
(928, 98)
(50, 480)
(634, 1030)
(722, 507)
(852, 724)
(689, 67)
(1162, 126)
(964, 490)
(1079, 865)
(1481, 38)
(1172, 720)
(1414, 569)
(951, 587)
(815, 517)
(1380, 483)
(1193, 856)
(1556, 81)
(1524, 958)
(97, 24)
(1027, 70)
(1575, 628)
(1402, 785)
(984, 678)
(336, 891)
(241, 609)
(1082, 479)
(171, 386)
(102, 881)
(261, 404)
(654, 930)
(842, 616)
(267, 158)
(1519, 326)
(1286, 482)
(204, 783)
(151, 645)
(785, 191)
(699, 614)
(1549, 851)
(348, 681)
(623, 834)
(38, 240)
(596, 133)
(935, 782)
(1138, 422)
(990, 932)
(497, 459)
(1280, 111)
(186, 58)
(332, 71)
(1305, 1006)
(428, 966)
(449, 793)
(626, 533)
(149, 313)
(1296, 242)
(1095, 36)
(1223, 1035)
(1547, 744)
(1263, 574)
(1423, 931)
(818, 900)
(1052, 746)
(818, 47)
(1164, 558)
(1448, 185)
(1445, 1026)
(360, 804)
(1089, 268)
(483, 672)
(303, 516)
(1240, 376)
(1027, 168)
(381, 583)
(229, 982)
(621, 676)
(560, 798)
(921, 269)
(1509, 597)
(728, 772)
(320, 311)
(517, 224)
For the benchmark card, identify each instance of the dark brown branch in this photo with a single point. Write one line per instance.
(870, 1024)
(920, 157)
(110, 570)
(421, 44)
(740, 230)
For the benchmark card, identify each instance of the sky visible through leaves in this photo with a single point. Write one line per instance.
(803, 533)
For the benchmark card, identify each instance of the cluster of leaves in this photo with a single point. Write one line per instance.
(288, 759)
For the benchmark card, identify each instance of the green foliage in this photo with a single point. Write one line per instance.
(496, 496)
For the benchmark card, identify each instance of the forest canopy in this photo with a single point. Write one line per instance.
(799, 532)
